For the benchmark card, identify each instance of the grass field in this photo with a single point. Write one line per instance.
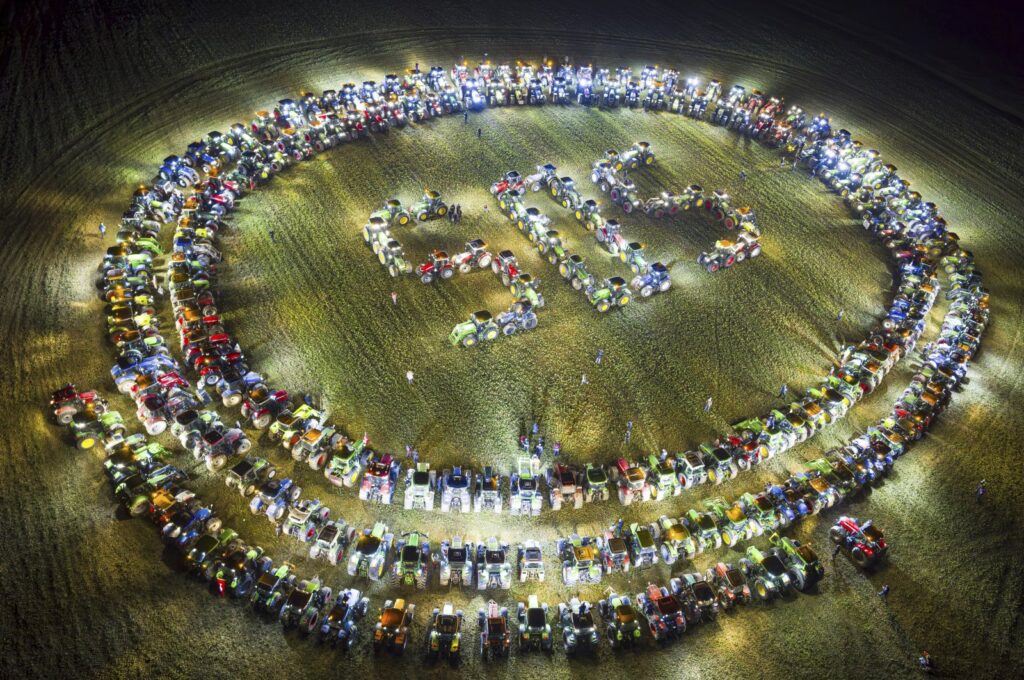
(91, 595)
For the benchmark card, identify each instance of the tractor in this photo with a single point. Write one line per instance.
(632, 254)
(655, 279)
(613, 293)
(519, 317)
(574, 270)
(437, 266)
(550, 244)
(506, 266)
(479, 327)
(526, 287)
(429, 207)
(475, 256)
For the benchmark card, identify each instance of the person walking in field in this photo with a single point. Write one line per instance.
(583, 380)
(707, 405)
(409, 376)
(394, 298)
(600, 355)
(479, 133)
(103, 230)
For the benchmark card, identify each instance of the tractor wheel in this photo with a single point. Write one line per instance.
(554, 189)
(646, 291)
(762, 590)
(615, 195)
(730, 223)
(535, 187)
(216, 462)
(624, 300)
(859, 558)
(755, 251)
(553, 258)
(484, 261)
(244, 445)
(366, 236)
(248, 490)
(649, 160)
(542, 247)
(627, 207)
(214, 525)
(65, 415)
(712, 267)
(447, 273)
(577, 284)
(659, 213)
(635, 267)
(718, 215)
(469, 341)
(423, 216)
(465, 268)
(506, 281)
(85, 443)
(565, 203)
(741, 255)
(603, 306)
(509, 329)
(836, 534)
(579, 215)
(442, 211)
(403, 219)
(798, 580)
(603, 186)
(231, 398)
(393, 271)
(521, 225)
(382, 256)
(427, 278)
(317, 461)
(491, 333)
(262, 420)
(714, 477)
(563, 269)
(530, 322)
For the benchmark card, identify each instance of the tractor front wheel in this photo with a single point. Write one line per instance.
(469, 341)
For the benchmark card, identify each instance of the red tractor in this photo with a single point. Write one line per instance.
(437, 266)
(261, 406)
(506, 266)
(862, 540)
(511, 182)
(67, 401)
(475, 256)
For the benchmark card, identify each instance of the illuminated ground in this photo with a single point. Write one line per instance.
(116, 607)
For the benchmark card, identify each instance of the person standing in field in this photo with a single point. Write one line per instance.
(394, 298)
(409, 376)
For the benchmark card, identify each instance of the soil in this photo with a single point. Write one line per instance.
(95, 97)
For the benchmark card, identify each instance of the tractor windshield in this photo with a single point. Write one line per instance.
(411, 553)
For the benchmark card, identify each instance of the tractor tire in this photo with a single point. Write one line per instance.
(627, 206)
(730, 223)
(261, 421)
(563, 269)
(535, 187)
(465, 268)
(427, 278)
(215, 463)
(712, 267)
(646, 291)
(243, 445)
(506, 281)
(755, 251)
(382, 256)
(491, 333)
(837, 535)
(317, 460)
(542, 247)
(442, 211)
(603, 306)
(294, 493)
(741, 255)
(577, 284)
(248, 490)
(509, 329)
(447, 273)
(214, 525)
(579, 215)
(565, 203)
(659, 213)
(423, 216)
(603, 186)
(521, 225)
(553, 258)
(530, 322)
(469, 341)
(554, 189)
(230, 398)
(393, 271)
(635, 268)
(615, 195)
(484, 261)
(859, 558)
(532, 236)
(624, 300)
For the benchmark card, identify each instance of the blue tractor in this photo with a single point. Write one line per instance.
(655, 280)
(175, 170)
(273, 498)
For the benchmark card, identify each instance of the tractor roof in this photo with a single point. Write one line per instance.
(482, 316)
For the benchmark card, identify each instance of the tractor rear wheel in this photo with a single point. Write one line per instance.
(646, 291)
(624, 300)
(603, 306)
(447, 273)
(469, 341)
(859, 558)
(509, 329)
(577, 284)
(427, 278)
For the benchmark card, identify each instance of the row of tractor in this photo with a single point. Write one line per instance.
(650, 277)
(611, 175)
(481, 326)
(147, 486)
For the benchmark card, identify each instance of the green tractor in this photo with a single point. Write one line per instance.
(535, 225)
(805, 568)
(550, 244)
(633, 255)
(376, 233)
(589, 215)
(429, 207)
(565, 192)
(574, 270)
(613, 293)
(480, 326)
(393, 213)
(526, 287)
(393, 257)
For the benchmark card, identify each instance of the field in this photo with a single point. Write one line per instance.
(93, 596)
